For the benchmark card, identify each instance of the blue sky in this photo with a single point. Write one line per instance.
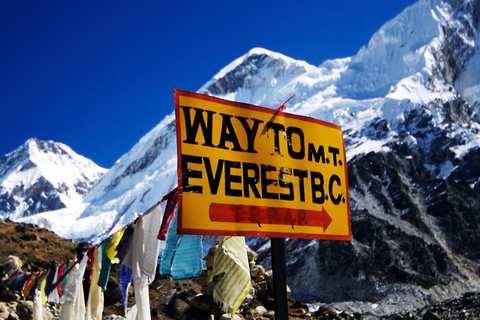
(98, 75)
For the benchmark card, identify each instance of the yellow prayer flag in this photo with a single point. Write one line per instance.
(231, 272)
(111, 249)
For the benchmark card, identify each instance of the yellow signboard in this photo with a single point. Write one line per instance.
(252, 171)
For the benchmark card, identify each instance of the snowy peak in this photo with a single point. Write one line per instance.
(255, 77)
(43, 175)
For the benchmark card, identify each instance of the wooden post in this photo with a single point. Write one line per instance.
(277, 246)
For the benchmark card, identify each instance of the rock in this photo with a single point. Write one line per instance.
(297, 312)
(260, 278)
(25, 309)
(269, 278)
(179, 304)
(3, 310)
(269, 314)
(261, 288)
(252, 255)
(325, 312)
(201, 307)
(260, 310)
(12, 316)
(394, 317)
(30, 237)
(346, 316)
(431, 316)
(228, 316)
(210, 257)
(248, 300)
(179, 309)
(257, 271)
(20, 228)
(268, 302)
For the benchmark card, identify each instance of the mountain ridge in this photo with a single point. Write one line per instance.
(41, 176)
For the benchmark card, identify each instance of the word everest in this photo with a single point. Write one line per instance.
(260, 158)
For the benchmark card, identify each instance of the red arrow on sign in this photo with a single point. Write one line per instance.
(221, 212)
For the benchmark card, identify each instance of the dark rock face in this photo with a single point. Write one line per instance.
(455, 207)
(40, 197)
(393, 241)
(456, 51)
(409, 228)
(9, 160)
(466, 308)
(50, 147)
(7, 202)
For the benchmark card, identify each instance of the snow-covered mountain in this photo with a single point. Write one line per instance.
(42, 176)
(409, 105)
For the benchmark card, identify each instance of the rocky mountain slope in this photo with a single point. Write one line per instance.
(408, 104)
(41, 176)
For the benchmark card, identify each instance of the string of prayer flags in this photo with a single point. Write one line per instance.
(132, 313)
(187, 262)
(16, 282)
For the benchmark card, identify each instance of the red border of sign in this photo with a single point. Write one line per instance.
(180, 230)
